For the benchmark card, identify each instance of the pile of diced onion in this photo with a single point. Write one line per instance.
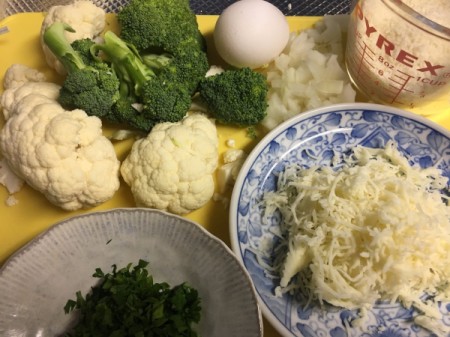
(309, 73)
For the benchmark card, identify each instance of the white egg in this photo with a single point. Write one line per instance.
(250, 33)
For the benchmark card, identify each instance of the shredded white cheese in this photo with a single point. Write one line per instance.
(375, 228)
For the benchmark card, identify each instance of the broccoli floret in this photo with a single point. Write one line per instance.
(165, 101)
(156, 72)
(188, 67)
(159, 25)
(93, 92)
(83, 48)
(164, 92)
(126, 111)
(90, 85)
(167, 28)
(236, 97)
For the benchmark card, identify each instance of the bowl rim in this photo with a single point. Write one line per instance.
(16, 254)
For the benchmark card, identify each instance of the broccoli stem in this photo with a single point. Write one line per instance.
(55, 39)
(156, 62)
(126, 61)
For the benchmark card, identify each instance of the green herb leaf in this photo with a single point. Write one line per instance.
(127, 302)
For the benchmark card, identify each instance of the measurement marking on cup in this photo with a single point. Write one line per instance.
(364, 74)
(364, 53)
(401, 82)
(402, 87)
(363, 60)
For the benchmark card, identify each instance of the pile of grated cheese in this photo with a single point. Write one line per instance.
(375, 228)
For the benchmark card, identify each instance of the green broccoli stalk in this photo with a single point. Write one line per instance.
(236, 97)
(92, 87)
(126, 62)
(156, 62)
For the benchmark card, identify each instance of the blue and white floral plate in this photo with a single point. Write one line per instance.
(312, 138)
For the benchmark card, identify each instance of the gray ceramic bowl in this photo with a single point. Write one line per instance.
(37, 281)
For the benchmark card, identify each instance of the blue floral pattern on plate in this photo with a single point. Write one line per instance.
(314, 138)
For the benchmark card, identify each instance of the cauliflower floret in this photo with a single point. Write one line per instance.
(8, 178)
(84, 17)
(15, 76)
(60, 153)
(14, 96)
(172, 168)
(18, 74)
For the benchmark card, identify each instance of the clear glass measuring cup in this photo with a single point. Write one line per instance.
(398, 52)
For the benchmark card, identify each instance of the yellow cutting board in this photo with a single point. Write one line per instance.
(34, 214)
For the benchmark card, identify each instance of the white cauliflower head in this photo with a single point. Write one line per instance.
(60, 153)
(172, 168)
(83, 16)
